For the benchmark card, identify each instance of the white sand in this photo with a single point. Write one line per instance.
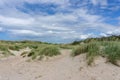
(62, 67)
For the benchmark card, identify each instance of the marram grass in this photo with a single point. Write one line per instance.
(111, 50)
(44, 51)
(38, 49)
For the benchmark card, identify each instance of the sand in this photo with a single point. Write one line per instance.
(62, 67)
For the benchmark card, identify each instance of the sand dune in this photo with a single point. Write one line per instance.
(62, 67)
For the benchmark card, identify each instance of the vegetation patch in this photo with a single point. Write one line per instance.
(108, 47)
(40, 52)
(38, 49)
(79, 50)
(110, 50)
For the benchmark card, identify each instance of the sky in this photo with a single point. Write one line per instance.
(58, 21)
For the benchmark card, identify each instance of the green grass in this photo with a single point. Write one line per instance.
(110, 50)
(50, 51)
(79, 50)
(93, 51)
(4, 50)
(39, 49)
(40, 52)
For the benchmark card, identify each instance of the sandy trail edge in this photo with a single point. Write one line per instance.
(62, 67)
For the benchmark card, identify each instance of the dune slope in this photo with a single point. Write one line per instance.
(62, 67)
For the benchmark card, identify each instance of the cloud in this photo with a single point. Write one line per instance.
(99, 2)
(25, 32)
(103, 34)
(1, 29)
(15, 21)
(67, 23)
(114, 32)
(118, 19)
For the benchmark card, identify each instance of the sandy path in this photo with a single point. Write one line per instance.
(62, 67)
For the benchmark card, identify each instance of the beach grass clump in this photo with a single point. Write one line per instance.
(14, 47)
(42, 51)
(4, 50)
(38, 49)
(80, 50)
(110, 50)
(93, 51)
(50, 51)
(33, 55)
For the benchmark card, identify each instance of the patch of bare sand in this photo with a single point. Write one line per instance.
(62, 67)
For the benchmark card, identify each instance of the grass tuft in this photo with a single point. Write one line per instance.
(111, 50)
(50, 51)
(80, 50)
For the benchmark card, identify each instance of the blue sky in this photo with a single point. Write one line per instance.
(58, 21)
